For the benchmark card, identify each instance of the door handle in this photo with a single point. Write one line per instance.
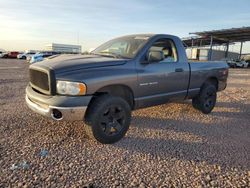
(179, 70)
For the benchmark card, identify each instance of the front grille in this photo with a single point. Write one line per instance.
(40, 80)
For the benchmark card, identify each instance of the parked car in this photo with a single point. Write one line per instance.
(36, 58)
(12, 54)
(5, 55)
(231, 63)
(25, 55)
(41, 56)
(237, 63)
(2, 54)
(124, 74)
(248, 61)
(241, 64)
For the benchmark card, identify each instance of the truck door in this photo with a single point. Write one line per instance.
(161, 81)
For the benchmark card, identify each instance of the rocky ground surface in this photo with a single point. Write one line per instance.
(170, 145)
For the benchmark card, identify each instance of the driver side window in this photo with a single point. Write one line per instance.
(167, 47)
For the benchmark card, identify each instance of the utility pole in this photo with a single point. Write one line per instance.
(78, 37)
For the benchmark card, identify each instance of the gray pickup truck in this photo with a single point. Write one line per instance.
(123, 74)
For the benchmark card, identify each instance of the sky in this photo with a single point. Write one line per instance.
(31, 24)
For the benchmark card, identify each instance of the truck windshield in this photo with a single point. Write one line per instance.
(124, 47)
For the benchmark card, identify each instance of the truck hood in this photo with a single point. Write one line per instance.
(66, 63)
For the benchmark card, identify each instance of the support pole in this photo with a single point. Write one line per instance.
(192, 45)
(227, 48)
(211, 48)
(241, 45)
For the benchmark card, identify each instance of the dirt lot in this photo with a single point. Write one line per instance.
(166, 145)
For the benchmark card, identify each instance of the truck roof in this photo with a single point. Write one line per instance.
(149, 35)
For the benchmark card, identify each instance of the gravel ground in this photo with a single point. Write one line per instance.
(170, 145)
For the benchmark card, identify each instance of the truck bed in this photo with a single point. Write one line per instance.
(201, 70)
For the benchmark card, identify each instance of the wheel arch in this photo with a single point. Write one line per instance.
(118, 90)
(212, 80)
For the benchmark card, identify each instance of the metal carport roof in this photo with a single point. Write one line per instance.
(241, 34)
(220, 37)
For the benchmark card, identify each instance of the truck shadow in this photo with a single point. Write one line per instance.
(218, 143)
(240, 110)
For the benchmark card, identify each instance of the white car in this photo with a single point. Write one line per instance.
(231, 63)
(237, 63)
(25, 55)
(241, 64)
(2, 53)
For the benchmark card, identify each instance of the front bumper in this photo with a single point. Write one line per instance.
(57, 107)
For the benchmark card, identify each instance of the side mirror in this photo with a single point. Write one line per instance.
(155, 56)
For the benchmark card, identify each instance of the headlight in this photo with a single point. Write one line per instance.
(70, 88)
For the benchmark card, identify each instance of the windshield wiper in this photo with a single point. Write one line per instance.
(111, 54)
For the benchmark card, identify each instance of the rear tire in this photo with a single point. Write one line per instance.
(107, 119)
(206, 100)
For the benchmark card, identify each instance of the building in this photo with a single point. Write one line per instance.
(64, 48)
(31, 51)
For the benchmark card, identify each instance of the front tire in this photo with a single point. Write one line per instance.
(206, 100)
(107, 119)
